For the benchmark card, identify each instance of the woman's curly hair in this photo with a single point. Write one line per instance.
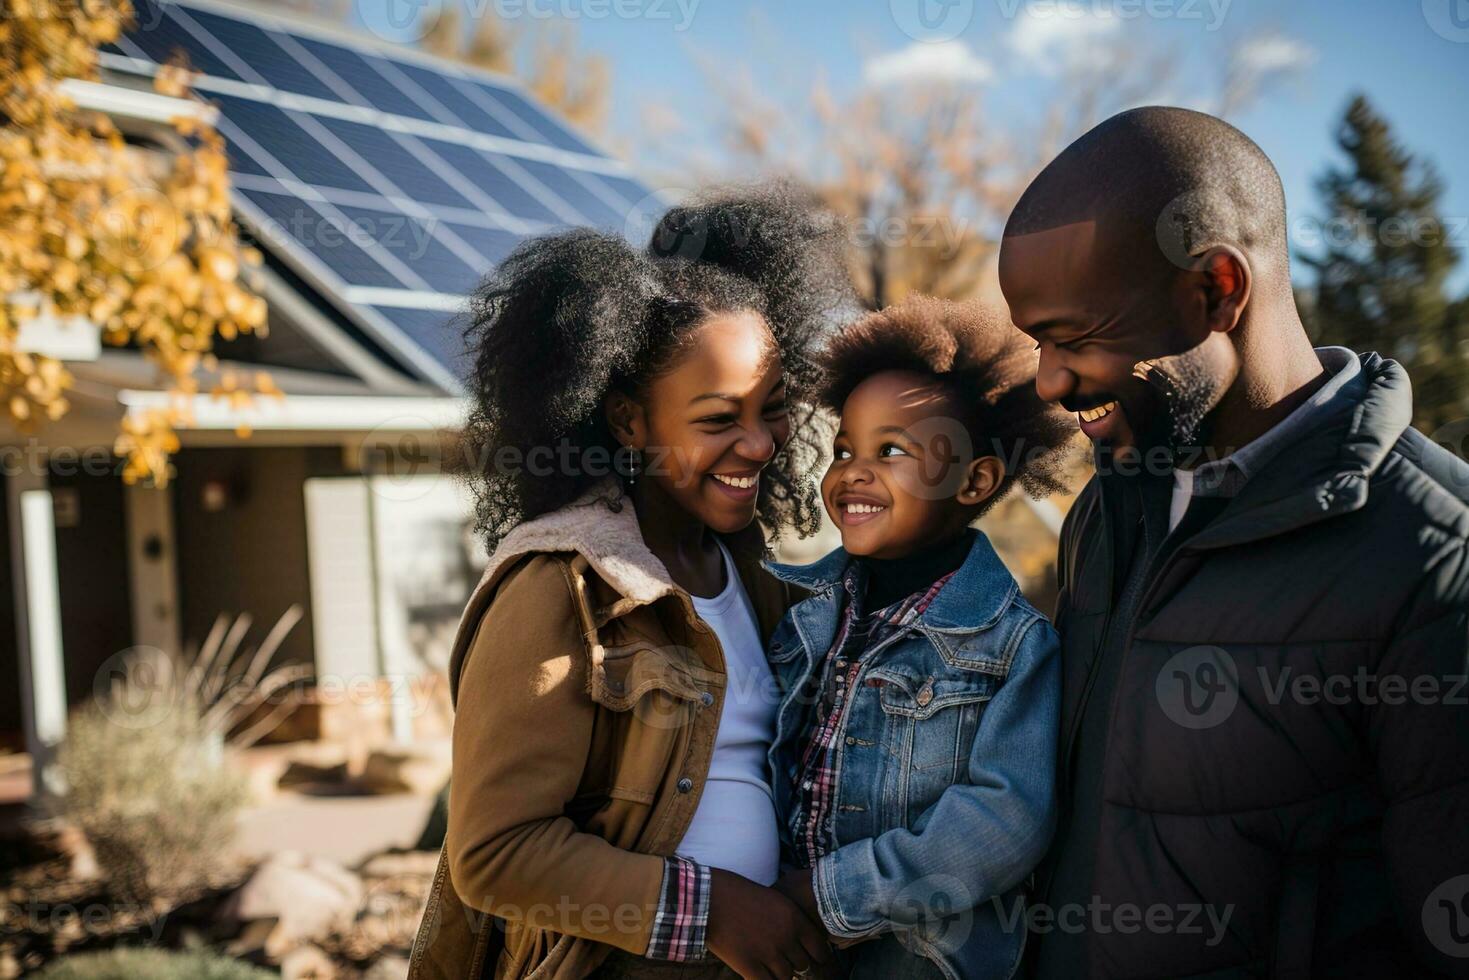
(567, 318)
(985, 367)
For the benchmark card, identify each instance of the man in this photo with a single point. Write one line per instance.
(1264, 605)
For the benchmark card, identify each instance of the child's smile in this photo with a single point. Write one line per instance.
(854, 509)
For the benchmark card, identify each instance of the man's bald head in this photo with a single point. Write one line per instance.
(1166, 183)
(1141, 248)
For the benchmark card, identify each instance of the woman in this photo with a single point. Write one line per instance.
(634, 413)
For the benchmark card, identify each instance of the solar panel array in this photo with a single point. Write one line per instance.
(390, 181)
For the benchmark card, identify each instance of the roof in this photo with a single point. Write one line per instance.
(387, 181)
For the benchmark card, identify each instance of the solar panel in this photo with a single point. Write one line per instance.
(413, 243)
(436, 331)
(371, 168)
(334, 246)
(535, 119)
(396, 162)
(443, 91)
(358, 71)
(505, 190)
(160, 37)
(275, 132)
(566, 185)
(265, 57)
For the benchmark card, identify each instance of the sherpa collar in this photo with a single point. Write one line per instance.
(602, 527)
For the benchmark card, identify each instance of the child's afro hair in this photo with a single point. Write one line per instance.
(983, 364)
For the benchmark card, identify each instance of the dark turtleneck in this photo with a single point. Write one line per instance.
(891, 579)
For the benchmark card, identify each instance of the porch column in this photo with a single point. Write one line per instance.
(152, 568)
(37, 621)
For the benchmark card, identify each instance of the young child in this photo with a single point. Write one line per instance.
(913, 762)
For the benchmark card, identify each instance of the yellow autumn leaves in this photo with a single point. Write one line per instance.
(139, 241)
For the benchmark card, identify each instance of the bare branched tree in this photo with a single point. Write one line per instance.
(924, 172)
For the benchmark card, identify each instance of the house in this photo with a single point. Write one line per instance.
(379, 184)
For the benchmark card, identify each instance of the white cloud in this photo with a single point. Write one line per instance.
(1060, 35)
(1274, 52)
(949, 61)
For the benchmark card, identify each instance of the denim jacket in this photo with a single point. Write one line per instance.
(945, 787)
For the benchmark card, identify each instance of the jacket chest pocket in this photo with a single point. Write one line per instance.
(652, 695)
(931, 721)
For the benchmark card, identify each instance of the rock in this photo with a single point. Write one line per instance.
(307, 963)
(309, 897)
(387, 968)
(421, 769)
(392, 864)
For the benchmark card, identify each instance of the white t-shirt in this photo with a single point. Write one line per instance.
(734, 827)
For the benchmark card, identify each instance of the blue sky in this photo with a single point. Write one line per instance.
(1411, 57)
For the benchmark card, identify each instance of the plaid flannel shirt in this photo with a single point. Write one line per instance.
(683, 913)
(811, 817)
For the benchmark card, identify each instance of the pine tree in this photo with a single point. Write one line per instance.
(1382, 275)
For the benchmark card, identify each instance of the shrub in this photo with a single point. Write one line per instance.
(152, 794)
(155, 964)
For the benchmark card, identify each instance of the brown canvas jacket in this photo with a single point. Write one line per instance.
(582, 737)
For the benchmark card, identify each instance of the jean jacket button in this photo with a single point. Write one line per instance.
(685, 785)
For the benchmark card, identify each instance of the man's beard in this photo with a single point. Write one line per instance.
(1188, 387)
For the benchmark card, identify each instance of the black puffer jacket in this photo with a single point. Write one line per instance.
(1269, 753)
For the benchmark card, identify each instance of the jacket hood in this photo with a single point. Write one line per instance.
(1327, 472)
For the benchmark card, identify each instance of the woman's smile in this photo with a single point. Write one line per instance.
(742, 486)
